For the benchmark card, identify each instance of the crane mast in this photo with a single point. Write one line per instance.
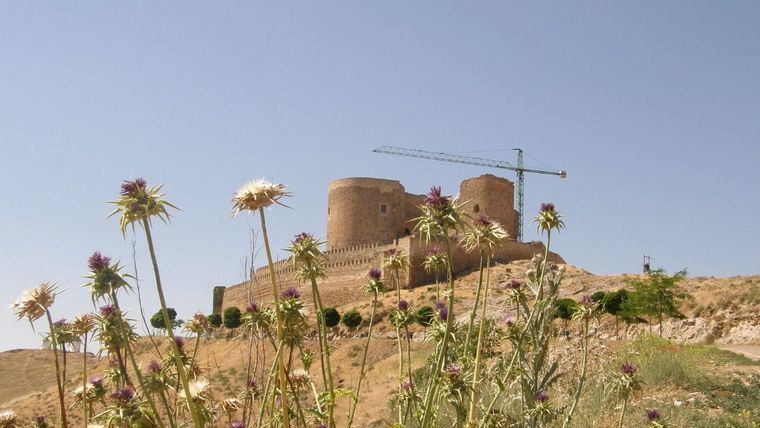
(519, 169)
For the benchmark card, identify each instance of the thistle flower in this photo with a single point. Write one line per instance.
(440, 214)
(97, 262)
(485, 234)
(39, 422)
(453, 371)
(198, 389)
(138, 202)
(403, 305)
(180, 341)
(375, 274)
(627, 369)
(514, 285)
(10, 419)
(258, 194)
(435, 199)
(154, 367)
(123, 395)
(548, 218)
(508, 321)
(305, 249)
(299, 378)
(395, 260)
(406, 386)
(107, 310)
(96, 381)
(83, 324)
(291, 293)
(439, 305)
(443, 313)
(237, 424)
(252, 383)
(35, 302)
(542, 397)
(105, 277)
(653, 415)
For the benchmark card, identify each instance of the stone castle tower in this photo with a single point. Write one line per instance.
(377, 211)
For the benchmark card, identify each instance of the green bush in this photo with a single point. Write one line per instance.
(352, 319)
(215, 320)
(425, 316)
(332, 317)
(232, 318)
(157, 320)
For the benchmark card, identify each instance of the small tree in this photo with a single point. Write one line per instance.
(425, 316)
(352, 319)
(565, 308)
(612, 303)
(232, 318)
(659, 295)
(215, 320)
(332, 317)
(598, 297)
(157, 320)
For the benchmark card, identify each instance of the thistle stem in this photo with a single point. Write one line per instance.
(364, 362)
(197, 423)
(54, 346)
(325, 354)
(474, 306)
(84, 378)
(476, 377)
(622, 412)
(435, 379)
(584, 362)
(278, 319)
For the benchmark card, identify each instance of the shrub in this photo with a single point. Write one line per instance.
(425, 316)
(231, 317)
(215, 320)
(157, 320)
(332, 317)
(352, 319)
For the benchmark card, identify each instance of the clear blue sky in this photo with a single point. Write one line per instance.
(652, 108)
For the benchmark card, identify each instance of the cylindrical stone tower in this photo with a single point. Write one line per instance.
(364, 211)
(492, 196)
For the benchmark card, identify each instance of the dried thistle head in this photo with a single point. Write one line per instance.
(485, 234)
(395, 260)
(258, 194)
(138, 202)
(10, 419)
(435, 261)
(199, 390)
(299, 378)
(548, 218)
(199, 324)
(33, 304)
(83, 324)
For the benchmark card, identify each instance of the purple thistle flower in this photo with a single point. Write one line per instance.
(443, 314)
(252, 307)
(301, 237)
(653, 415)
(453, 371)
(514, 285)
(97, 262)
(39, 419)
(96, 381)
(180, 341)
(107, 310)
(627, 368)
(390, 252)
(406, 385)
(375, 274)
(483, 221)
(547, 207)
(434, 251)
(321, 426)
(542, 397)
(508, 321)
(252, 383)
(113, 363)
(434, 199)
(403, 305)
(237, 424)
(123, 395)
(60, 323)
(587, 301)
(291, 293)
(439, 305)
(134, 187)
(154, 367)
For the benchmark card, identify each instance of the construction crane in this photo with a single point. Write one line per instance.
(520, 170)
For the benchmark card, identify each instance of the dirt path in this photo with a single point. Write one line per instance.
(749, 351)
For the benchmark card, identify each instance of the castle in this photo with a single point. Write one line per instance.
(368, 216)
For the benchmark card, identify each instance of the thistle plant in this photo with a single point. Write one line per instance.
(435, 262)
(33, 305)
(139, 203)
(587, 310)
(254, 197)
(401, 318)
(625, 385)
(441, 217)
(374, 286)
(10, 419)
(308, 259)
(486, 236)
(82, 326)
(396, 261)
